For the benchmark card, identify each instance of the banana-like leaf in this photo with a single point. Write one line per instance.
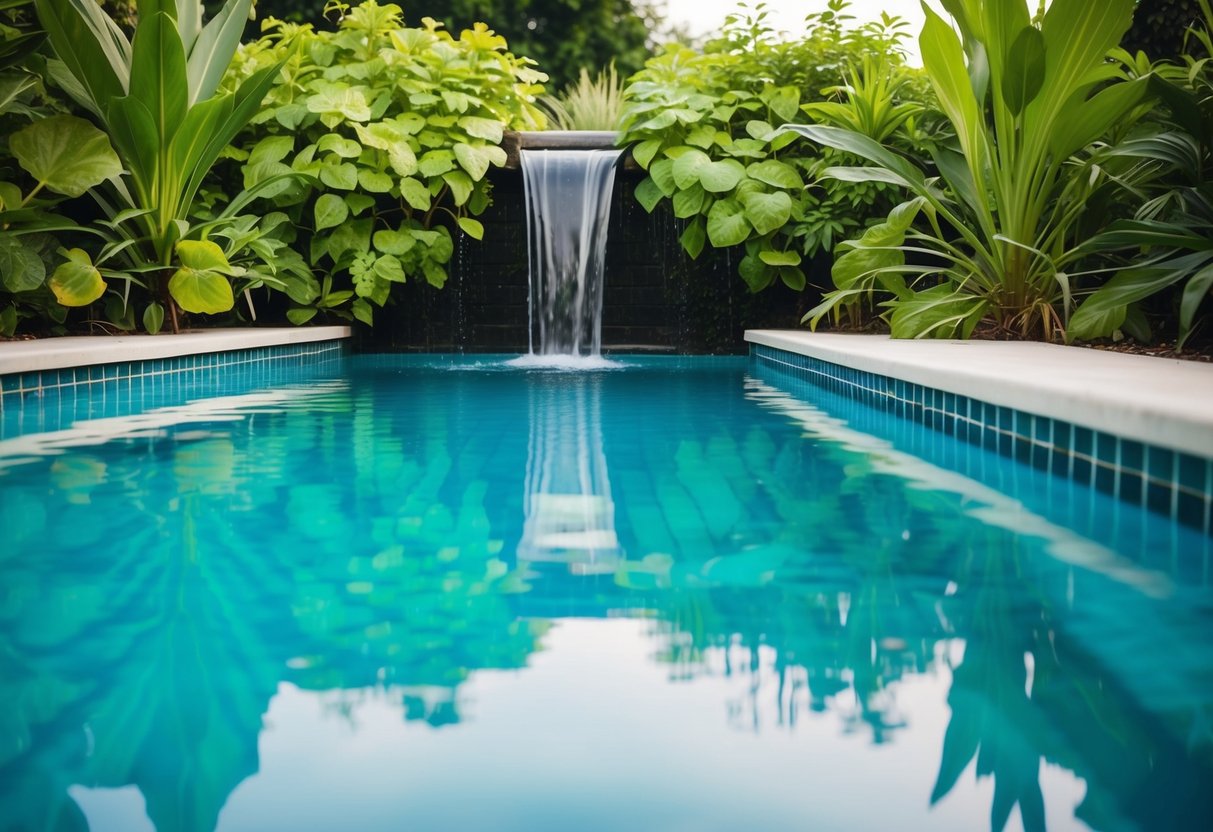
(943, 57)
(1103, 312)
(94, 50)
(158, 75)
(245, 102)
(1077, 36)
(133, 132)
(1194, 295)
(939, 312)
(1088, 120)
(863, 146)
(1025, 70)
(211, 54)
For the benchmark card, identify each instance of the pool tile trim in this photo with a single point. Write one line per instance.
(1174, 483)
(231, 351)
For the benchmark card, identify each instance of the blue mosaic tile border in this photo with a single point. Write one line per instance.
(1169, 482)
(45, 399)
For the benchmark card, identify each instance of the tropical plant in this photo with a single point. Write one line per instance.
(158, 99)
(1027, 99)
(395, 129)
(701, 123)
(593, 103)
(1174, 225)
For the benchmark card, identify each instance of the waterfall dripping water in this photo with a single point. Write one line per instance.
(568, 199)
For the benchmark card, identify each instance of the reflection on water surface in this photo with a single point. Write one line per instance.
(541, 600)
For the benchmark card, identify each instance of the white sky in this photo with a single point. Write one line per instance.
(704, 16)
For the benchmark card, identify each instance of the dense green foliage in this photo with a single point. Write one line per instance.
(390, 133)
(1027, 101)
(563, 36)
(1173, 227)
(1032, 178)
(703, 123)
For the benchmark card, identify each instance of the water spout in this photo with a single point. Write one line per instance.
(568, 199)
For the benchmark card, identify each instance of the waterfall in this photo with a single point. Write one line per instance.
(568, 200)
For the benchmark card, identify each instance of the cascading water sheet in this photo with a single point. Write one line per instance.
(568, 198)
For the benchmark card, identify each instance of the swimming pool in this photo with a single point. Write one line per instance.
(443, 593)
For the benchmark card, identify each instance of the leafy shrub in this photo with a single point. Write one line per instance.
(376, 140)
(1173, 227)
(157, 97)
(701, 124)
(1027, 100)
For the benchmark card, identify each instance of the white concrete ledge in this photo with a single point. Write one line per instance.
(1158, 401)
(82, 351)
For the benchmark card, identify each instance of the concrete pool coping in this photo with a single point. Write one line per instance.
(1158, 401)
(88, 350)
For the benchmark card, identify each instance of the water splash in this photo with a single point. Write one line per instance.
(568, 198)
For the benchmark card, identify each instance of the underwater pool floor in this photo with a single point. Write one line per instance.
(682, 594)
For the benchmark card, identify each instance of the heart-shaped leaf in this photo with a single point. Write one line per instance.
(66, 154)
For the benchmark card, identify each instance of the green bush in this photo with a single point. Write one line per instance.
(1006, 221)
(703, 124)
(389, 133)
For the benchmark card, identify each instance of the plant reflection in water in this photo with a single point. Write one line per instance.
(391, 535)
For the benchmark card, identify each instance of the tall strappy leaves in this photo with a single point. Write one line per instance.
(156, 97)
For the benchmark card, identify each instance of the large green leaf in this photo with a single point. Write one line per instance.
(211, 53)
(330, 211)
(648, 194)
(1090, 119)
(77, 282)
(21, 269)
(863, 146)
(202, 291)
(939, 312)
(688, 165)
(767, 212)
(158, 74)
(65, 153)
(722, 176)
(1025, 69)
(1104, 311)
(202, 255)
(475, 159)
(727, 225)
(1194, 295)
(943, 58)
(91, 46)
(776, 173)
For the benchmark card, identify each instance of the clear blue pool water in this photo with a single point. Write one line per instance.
(687, 594)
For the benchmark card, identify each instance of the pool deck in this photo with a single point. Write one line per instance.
(87, 350)
(1159, 401)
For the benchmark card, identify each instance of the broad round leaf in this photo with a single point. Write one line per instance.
(472, 228)
(767, 212)
(688, 165)
(389, 241)
(727, 224)
(21, 269)
(77, 281)
(719, 177)
(416, 194)
(201, 254)
(330, 211)
(68, 154)
(198, 290)
(776, 173)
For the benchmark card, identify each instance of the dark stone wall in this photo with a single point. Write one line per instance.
(655, 298)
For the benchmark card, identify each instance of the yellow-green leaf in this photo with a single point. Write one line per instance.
(77, 281)
(199, 290)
